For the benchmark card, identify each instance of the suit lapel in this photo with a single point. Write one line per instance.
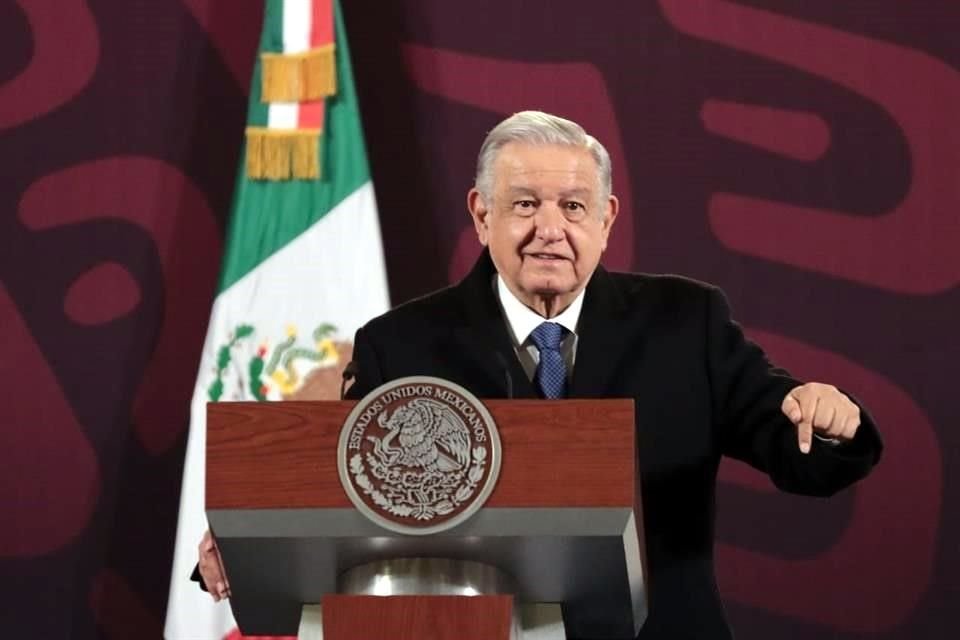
(482, 334)
(608, 332)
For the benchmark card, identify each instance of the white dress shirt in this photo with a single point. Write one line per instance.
(522, 320)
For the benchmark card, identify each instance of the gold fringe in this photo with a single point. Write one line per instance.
(319, 73)
(280, 79)
(295, 77)
(282, 154)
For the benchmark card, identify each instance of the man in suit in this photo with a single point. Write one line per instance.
(538, 306)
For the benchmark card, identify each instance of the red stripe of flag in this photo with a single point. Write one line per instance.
(321, 33)
(321, 29)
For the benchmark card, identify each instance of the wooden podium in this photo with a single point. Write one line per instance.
(563, 525)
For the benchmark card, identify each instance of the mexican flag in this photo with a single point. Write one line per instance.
(303, 267)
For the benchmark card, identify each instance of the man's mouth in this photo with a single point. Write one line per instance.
(546, 256)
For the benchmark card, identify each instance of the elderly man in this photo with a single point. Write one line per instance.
(538, 303)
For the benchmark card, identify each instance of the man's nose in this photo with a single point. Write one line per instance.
(550, 222)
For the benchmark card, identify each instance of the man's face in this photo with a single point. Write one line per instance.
(547, 224)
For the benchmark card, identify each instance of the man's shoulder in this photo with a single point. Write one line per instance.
(436, 307)
(660, 288)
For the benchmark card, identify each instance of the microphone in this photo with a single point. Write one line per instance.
(507, 378)
(349, 373)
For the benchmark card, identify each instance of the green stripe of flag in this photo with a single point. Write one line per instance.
(271, 40)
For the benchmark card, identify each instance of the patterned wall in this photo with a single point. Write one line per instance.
(802, 155)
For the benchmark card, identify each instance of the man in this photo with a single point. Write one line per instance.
(538, 303)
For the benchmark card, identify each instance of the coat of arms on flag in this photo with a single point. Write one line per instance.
(254, 367)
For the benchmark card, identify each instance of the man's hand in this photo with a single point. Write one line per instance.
(821, 409)
(211, 569)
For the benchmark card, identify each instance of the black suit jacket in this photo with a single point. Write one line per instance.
(701, 391)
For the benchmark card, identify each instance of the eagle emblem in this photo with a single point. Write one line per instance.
(429, 436)
(419, 455)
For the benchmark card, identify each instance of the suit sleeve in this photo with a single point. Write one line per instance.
(747, 393)
(369, 376)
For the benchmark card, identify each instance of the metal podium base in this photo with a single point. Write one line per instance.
(439, 577)
(424, 577)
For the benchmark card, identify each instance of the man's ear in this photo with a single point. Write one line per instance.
(479, 212)
(611, 210)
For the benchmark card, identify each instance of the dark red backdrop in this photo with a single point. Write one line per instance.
(802, 155)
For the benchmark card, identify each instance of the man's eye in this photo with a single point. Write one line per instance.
(574, 206)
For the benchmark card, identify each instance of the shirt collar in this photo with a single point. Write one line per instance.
(522, 320)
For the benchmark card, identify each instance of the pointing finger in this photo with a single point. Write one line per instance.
(804, 436)
(808, 406)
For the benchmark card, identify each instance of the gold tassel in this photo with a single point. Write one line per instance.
(295, 77)
(282, 154)
(280, 79)
(319, 73)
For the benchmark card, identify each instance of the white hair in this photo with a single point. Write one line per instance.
(539, 128)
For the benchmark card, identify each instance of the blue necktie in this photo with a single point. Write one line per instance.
(551, 371)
